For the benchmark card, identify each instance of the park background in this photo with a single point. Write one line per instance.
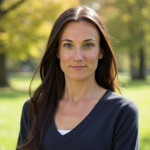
(25, 26)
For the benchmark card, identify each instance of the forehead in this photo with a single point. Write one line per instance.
(79, 31)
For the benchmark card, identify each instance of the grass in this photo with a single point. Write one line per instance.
(12, 99)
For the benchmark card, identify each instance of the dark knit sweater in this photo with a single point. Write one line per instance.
(111, 125)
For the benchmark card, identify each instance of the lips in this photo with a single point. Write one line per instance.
(77, 67)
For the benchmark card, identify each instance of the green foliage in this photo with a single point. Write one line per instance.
(131, 24)
(25, 29)
(130, 27)
(12, 99)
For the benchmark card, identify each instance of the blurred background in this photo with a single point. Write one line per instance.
(25, 26)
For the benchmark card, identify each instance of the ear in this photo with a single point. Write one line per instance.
(101, 54)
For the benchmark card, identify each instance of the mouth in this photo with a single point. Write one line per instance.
(77, 67)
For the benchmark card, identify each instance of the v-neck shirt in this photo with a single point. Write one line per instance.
(111, 125)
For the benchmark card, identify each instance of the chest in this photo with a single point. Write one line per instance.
(95, 131)
(68, 117)
(89, 134)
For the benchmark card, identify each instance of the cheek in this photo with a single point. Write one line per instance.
(92, 60)
(63, 56)
(93, 57)
(64, 59)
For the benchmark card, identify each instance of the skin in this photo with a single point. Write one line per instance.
(79, 52)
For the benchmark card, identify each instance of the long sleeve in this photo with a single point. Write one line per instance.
(126, 135)
(24, 124)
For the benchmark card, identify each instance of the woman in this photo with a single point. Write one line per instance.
(76, 107)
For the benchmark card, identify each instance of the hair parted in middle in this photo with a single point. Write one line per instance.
(45, 99)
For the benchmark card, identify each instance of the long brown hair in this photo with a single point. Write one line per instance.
(45, 99)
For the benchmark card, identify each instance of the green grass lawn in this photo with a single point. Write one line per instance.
(12, 99)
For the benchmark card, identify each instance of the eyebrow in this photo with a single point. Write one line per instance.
(83, 41)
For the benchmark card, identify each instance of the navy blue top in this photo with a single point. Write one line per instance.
(111, 125)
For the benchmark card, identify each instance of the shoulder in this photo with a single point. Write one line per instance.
(25, 111)
(123, 116)
(25, 123)
(26, 105)
(122, 111)
(119, 102)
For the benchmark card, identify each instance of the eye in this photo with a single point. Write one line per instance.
(67, 45)
(89, 45)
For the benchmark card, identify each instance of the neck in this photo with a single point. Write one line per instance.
(75, 91)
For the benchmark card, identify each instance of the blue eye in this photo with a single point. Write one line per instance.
(88, 45)
(67, 45)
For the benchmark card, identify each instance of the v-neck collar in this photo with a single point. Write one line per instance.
(76, 129)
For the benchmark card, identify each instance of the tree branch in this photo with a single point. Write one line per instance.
(4, 12)
(1, 1)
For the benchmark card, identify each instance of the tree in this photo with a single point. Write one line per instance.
(3, 13)
(128, 22)
(131, 28)
(24, 29)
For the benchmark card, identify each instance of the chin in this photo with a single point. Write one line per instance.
(78, 77)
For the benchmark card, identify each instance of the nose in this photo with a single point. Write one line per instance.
(78, 56)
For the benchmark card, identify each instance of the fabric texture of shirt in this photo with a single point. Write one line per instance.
(111, 125)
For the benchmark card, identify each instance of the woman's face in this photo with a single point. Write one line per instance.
(79, 50)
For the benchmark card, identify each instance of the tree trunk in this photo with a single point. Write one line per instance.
(133, 69)
(142, 74)
(3, 72)
(137, 72)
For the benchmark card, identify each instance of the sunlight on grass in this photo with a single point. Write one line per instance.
(22, 81)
